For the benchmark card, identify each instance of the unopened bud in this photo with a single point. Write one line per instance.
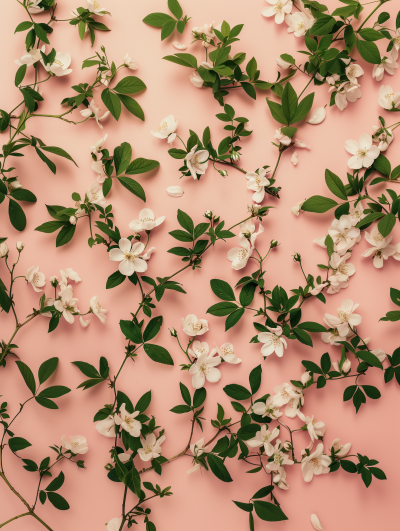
(208, 214)
(346, 367)
(20, 246)
(54, 281)
(224, 173)
(274, 243)
(305, 377)
(173, 332)
(73, 220)
(297, 257)
(235, 156)
(3, 250)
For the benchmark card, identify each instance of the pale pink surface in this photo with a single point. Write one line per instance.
(340, 500)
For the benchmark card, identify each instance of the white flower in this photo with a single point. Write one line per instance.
(67, 304)
(297, 208)
(257, 182)
(226, 353)
(179, 46)
(98, 167)
(4, 253)
(283, 64)
(94, 112)
(69, 273)
(128, 255)
(151, 447)
(197, 161)
(305, 377)
(129, 62)
(289, 396)
(343, 234)
(388, 99)
(35, 278)
(396, 41)
(294, 160)
(196, 80)
(77, 444)
(97, 309)
(146, 256)
(280, 478)
(98, 146)
(341, 450)
(346, 367)
(332, 337)
(94, 7)
(273, 342)
(316, 428)
(207, 30)
(264, 437)
(269, 409)
(364, 153)
(280, 458)
(346, 92)
(316, 523)
(73, 220)
(318, 115)
(146, 221)
(33, 7)
(60, 66)
(247, 232)
(356, 213)
(205, 368)
(84, 322)
(20, 246)
(387, 64)
(115, 523)
(193, 326)
(239, 256)
(381, 249)
(318, 288)
(175, 191)
(197, 449)
(383, 137)
(345, 318)
(167, 126)
(279, 9)
(283, 139)
(316, 463)
(106, 427)
(342, 270)
(198, 348)
(31, 57)
(299, 23)
(128, 421)
(354, 71)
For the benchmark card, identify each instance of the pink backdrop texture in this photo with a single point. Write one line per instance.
(200, 500)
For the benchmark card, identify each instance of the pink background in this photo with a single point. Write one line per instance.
(199, 500)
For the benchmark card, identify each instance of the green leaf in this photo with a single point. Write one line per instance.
(46, 160)
(143, 402)
(157, 20)
(371, 391)
(18, 443)
(87, 369)
(56, 483)
(218, 468)
(185, 394)
(20, 194)
(177, 153)
(234, 318)
(46, 369)
(370, 358)
(132, 106)
(302, 336)
(185, 221)
(348, 466)
(369, 51)
(310, 326)
(319, 204)
(277, 112)
(248, 507)
(20, 74)
(131, 331)
(323, 25)
(237, 392)
(58, 501)
(152, 328)
(158, 354)
(112, 102)
(45, 402)
(179, 410)
(130, 85)
(115, 280)
(268, 511)
(335, 185)
(289, 102)
(65, 235)
(386, 224)
(133, 186)
(199, 397)
(41, 33)
(370, 34)
(17, 215)
(255, 379)
(349, 392)
(175, 8)
(222, 290)
(23, 26)
(222, 308)
(167, 29)
(54, 391)
(304, 108)
(60, 152)
(377, 472)
(27, 376)
(122, 157)
(382, 164)
(183, 59)
(369, 219)
(247, 294)
(140, 165)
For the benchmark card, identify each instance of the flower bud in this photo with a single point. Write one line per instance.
(208, 214)
(173, 332)
(20, 246)
(335, 366)
(235, 156)
(108, 466)
(136, 236)
(3, 250)
(72, 220)
(273, 243)
(224, 173)
(54, 281)
(206, 44)
(346, 367)
(282, 63)
(305, 377)
(297, 257)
